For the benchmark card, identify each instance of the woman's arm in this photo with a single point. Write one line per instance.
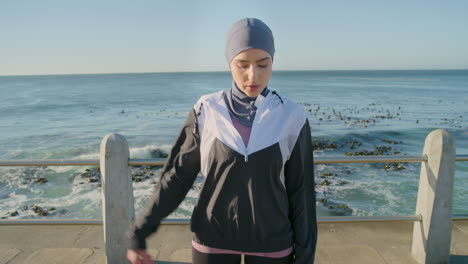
(300, 186)
(177, 177)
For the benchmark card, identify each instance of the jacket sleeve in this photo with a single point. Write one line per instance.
(178, 174)
(300, 186)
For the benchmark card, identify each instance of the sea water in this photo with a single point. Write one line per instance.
(66, 117)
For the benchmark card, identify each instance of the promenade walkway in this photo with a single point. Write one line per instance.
(362, 243)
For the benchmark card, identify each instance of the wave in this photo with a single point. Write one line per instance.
(145, 152)
(148, 151)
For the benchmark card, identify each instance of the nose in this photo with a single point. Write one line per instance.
(252, 73)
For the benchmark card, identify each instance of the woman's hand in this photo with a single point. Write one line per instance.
(139, 256)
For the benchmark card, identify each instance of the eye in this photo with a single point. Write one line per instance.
(242, 66)
(263, 66)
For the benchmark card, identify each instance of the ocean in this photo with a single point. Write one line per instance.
(350, 113)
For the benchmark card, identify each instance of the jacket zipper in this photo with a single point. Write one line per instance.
(246, 156)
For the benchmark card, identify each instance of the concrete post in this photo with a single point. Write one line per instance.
(432, 236)
(117, 197)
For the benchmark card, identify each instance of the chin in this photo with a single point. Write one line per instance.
(252, 94)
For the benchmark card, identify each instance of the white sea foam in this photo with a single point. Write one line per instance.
(135, 152)
(88, 156)
(145, 152)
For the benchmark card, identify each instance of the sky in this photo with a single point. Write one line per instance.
(113, 36)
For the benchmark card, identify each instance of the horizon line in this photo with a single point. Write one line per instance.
(226, 71)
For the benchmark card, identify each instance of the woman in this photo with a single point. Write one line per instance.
(254, 150)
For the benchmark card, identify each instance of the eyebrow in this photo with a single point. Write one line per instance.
(266, 58)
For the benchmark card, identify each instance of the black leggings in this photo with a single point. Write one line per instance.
(203, 258)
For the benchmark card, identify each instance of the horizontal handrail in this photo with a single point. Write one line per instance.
(457, 217)
(370, 159)
(364, 219)
(51, 222)
(76, 221)
(161, 161)
(61, 162)
(461, 158)
(150, 162)
(186, 221)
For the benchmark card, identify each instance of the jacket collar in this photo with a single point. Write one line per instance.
(261, 99)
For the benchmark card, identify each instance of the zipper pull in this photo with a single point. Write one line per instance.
(246, 158)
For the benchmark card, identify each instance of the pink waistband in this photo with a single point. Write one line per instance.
(210, 250)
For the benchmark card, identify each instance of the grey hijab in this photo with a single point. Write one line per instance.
(247, 33)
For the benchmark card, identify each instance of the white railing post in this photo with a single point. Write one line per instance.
(117, 196)
(432, 236)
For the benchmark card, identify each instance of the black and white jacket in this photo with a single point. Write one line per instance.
(259, 198)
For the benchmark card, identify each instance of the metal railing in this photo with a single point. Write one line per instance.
(161, 161)
(437, 170)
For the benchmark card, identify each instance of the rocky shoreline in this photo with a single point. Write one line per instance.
(324, 179)
(353, 147)
(90, 176)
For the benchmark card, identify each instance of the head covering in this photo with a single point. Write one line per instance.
(248, 33)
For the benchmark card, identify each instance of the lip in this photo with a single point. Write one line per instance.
(253, 87)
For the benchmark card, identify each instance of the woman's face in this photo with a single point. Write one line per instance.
(251, 70)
